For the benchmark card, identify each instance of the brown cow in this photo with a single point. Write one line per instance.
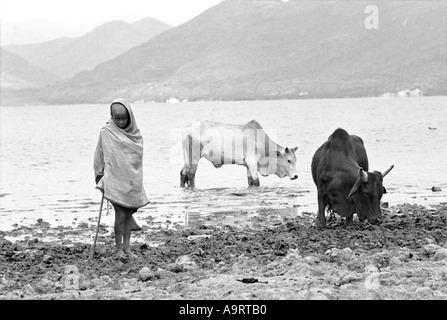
(344, 185)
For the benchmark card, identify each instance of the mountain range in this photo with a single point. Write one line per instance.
(66, 56)
(271, 49)
(17, 73)
(39, 30)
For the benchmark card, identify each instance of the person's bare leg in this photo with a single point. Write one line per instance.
(128, 221)
(120, 215)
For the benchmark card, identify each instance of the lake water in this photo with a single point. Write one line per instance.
(46, 157)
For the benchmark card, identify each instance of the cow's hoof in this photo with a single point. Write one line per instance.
(375, 221)
(349, 224)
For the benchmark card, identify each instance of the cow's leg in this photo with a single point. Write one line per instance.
(321, 218)
(349, 221)
(191, 174)
(192, 150)
(252, 175)
(249, 178)
(183, 178)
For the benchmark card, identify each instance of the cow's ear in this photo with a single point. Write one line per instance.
(384, 190)
(294, 149)
(354, 189)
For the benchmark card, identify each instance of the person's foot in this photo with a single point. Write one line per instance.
(119, 254)
(129, 254)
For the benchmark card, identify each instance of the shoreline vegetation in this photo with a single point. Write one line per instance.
(11, 98)
(403, 258)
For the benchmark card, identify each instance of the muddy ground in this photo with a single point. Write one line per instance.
(403, 258)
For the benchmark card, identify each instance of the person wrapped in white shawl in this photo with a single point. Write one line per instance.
(118, 167)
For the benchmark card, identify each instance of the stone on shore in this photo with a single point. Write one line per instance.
(146, 274)
(28, 290)
(371, 269)
(431, 248)
(71, 269)
(73, 281)
(187, 262)
(440, 254)
(339, 256)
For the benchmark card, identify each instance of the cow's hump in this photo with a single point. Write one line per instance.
(340, 134)
(340, 140)
(253, 124)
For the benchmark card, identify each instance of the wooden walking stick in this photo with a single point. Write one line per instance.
(97, 228)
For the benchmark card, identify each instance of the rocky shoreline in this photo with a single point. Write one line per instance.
(403, 258)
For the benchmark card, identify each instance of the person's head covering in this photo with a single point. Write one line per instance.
(131, 131)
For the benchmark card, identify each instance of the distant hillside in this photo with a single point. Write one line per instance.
(267, 49)
(16, 73)
(21, 82)
(67, 56)
(39, 30)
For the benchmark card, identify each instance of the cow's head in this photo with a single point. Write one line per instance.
(286, 163)
(366, 194)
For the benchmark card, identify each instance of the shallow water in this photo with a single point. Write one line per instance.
(46, 157)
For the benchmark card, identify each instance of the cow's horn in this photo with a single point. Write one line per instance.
(385, 172)
(363, 175)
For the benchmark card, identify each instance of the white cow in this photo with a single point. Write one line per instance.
(247, 145)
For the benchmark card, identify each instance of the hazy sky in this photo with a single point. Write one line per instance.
(98, 11)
